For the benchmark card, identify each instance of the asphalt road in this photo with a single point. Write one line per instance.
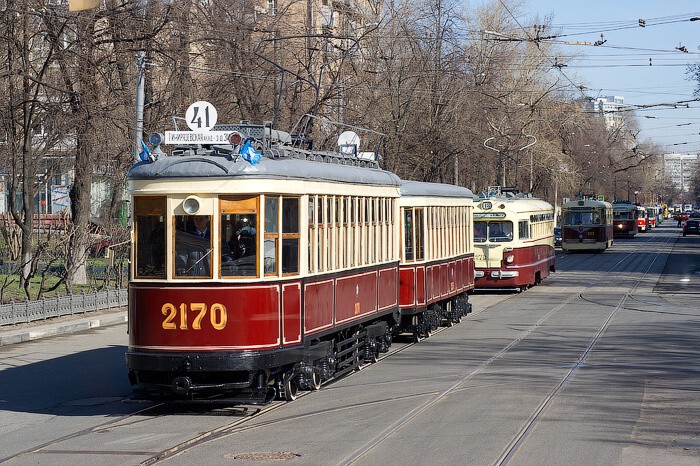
(598, 365)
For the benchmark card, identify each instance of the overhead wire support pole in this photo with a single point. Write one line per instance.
(140, 89)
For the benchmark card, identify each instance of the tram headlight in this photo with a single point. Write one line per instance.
(509, 259)
(190, 205)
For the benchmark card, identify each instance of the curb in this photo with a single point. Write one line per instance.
(49, 330)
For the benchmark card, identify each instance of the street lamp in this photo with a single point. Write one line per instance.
(635, 196)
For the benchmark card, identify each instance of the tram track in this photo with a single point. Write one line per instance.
(104, 427)
(531, 422)
(244, 425)
(248, 421)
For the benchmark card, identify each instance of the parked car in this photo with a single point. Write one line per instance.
(557, 236)
(691, 227)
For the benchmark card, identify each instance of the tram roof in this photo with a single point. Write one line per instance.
(421, 188)
(586, 203)
(515, 204)
(287, 168)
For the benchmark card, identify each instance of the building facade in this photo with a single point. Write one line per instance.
(679, 169)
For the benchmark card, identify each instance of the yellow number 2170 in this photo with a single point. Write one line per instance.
(217, 315)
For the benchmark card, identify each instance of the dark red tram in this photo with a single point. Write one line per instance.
(256, 277)
(625, 218)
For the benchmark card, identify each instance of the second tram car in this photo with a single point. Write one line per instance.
(252, 278)
(624, 219)
(587, 225)
(437, 257)
(513, 241)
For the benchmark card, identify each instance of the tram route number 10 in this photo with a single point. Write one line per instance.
(217, 315)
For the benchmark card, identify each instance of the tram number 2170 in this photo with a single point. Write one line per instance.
(217, 315)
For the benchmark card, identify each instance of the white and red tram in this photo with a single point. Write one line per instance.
(513, 241)
(254, 280)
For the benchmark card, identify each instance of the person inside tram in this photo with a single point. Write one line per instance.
(479, 232)
(192, 246)
(497, 233)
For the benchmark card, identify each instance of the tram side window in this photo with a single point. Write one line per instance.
(420, 242)
(271, 235)
(192, 246)
(290, 235)
(523, 230)
(149, 225)
(408, 234)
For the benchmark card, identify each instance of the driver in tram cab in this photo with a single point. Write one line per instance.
(496, 231)
(193, 247)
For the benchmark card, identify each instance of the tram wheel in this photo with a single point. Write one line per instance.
(290, 390)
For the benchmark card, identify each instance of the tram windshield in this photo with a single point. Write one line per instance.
(500, 232)
(479, 232)
(623, 214)
(192, 246)
(582, 218)
(238, 245)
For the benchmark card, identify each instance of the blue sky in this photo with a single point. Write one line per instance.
(620, 66)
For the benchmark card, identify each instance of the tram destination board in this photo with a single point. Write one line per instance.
(197, 137)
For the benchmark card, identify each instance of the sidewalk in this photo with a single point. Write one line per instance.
(11, 334)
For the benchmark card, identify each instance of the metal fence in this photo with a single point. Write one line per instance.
(29, 311)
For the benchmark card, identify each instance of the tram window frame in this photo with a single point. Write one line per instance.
(312, 246)
(155, 208)
(290, 238)
(240, 206)
(271, 234)
(340, 243)
(187, 246)
(408, 235)
(419, 233)
(523, 229)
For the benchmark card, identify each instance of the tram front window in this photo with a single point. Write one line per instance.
(500, 232)
(192, 246)
(583, 218)
(479, 232)
(239, 243)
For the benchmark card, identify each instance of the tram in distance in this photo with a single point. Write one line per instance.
(252, 280)
(625, 218)
(513, 241)
(642, 223)
(587, 225)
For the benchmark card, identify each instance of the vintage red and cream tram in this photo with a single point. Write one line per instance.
(624, 219)
(513, 241)
(587, 225)
(254, 277)
(437, 257)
